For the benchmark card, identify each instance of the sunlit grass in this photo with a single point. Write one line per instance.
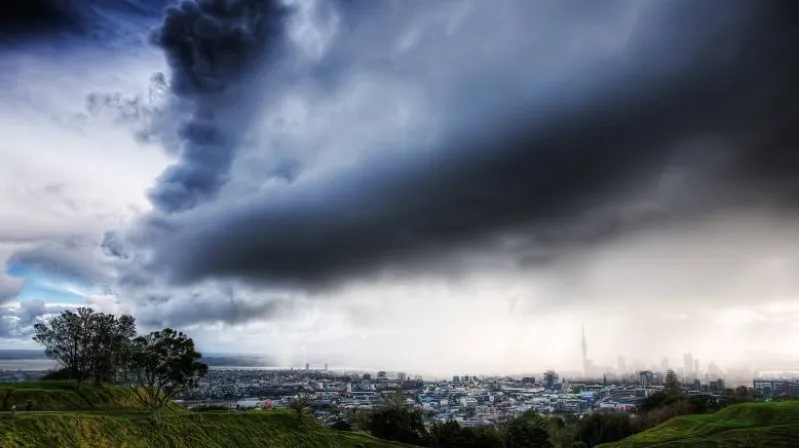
(774, 424)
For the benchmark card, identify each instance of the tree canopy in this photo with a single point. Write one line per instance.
(85, 343)
(527, 431)
(103, 347)
(398, 423)
(672, 382)
(162, 365)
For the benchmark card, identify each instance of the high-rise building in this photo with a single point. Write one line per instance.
(622, 364)
(550, 378)
(307, 366)
(401, 376)
(381, 375)
(585, 352)
(646, 378)
(456, 379)
(688, 363)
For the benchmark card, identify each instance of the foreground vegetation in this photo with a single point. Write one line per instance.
(274, 429)
(772, 425)
(65, 414)
(66, 396)
(158, 367)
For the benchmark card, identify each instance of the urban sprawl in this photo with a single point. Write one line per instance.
(472, 400)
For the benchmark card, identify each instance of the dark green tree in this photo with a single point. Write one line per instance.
(656, 400)
(595, 429)
(398, 423)
(742, 393)
(341, 425)
(527, 431)
(447, 434)
(67, 338)
(161, 366)
(671, 383)
(486, 437)
(110, 340)
(450, 434)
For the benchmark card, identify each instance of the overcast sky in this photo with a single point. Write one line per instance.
(432, 186)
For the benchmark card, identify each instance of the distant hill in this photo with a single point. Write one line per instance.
(767, 425)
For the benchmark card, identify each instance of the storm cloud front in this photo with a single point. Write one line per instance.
(556, 159)
(339, 160)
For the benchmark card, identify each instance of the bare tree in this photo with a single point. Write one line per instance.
(301, 403)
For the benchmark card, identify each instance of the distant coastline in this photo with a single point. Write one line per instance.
(28, 364)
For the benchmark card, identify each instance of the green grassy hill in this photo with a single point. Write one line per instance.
(274, 429)
(110, 416)
(65, 396)
(767, 425)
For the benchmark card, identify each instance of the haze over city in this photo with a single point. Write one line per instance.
(433, 187)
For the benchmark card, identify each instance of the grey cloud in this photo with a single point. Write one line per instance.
(73, 258)
(210, 304)
(567, 149)
(214, 49)
(112, 246)
(17, 322)
(9, 287)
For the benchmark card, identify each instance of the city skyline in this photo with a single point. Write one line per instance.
(760, 364)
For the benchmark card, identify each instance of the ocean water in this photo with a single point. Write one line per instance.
(27, 364)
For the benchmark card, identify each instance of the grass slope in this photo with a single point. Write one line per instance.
(767, 425)
(65, 396)
(274, 429)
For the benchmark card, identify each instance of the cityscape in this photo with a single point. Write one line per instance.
(473, 400)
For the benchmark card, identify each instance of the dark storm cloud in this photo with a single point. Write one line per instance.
(206, 309)
(214, 48)
(93, 19)
(25, 18)
(691, 70)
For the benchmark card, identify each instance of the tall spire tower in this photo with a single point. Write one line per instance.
(585, 352)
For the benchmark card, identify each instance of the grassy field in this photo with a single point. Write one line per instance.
(65, 396)
(767, 425)
(110, 416)
(274, 429)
